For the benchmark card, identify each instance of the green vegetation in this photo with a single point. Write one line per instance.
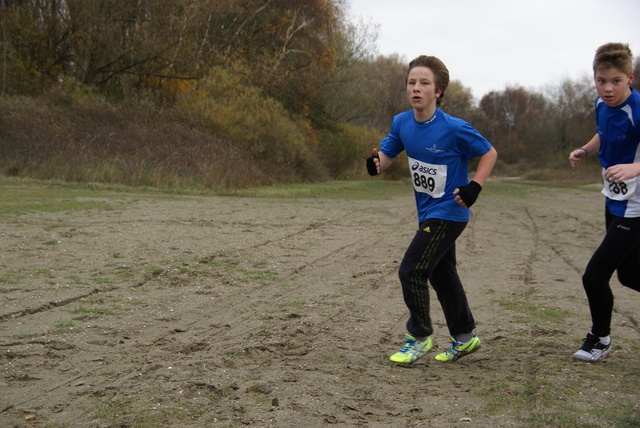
(20, 198)
(218, 96)
(533, 313)
(101, 311)
(353, 189)
(64, 324)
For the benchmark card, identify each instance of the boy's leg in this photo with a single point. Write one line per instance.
(620, 249)
(432, 241)
(629, 266)
(453, 299)
(451, 294)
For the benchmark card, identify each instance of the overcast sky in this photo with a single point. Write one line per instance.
(489, 44)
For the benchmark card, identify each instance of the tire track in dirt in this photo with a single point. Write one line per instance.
(108, 289)
(54, 304)
(231, 320)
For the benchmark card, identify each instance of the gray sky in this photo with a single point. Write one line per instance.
(489, 44)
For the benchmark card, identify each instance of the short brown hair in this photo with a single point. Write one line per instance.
(614, 55)
(440, 72)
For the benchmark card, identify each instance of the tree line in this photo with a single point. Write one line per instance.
(285, 82)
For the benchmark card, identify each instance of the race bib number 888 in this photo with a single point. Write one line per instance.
(428, 178)
(619, 191)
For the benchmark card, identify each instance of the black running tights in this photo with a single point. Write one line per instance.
(431, 258)
(619, 251)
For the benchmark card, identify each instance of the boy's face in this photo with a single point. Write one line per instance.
(421, 88)
(613, 85)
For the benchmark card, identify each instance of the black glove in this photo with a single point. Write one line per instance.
(371, 165)
(469, 193)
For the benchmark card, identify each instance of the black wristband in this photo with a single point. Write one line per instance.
(469, 193)
(371, 165)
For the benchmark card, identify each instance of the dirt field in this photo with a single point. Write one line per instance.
(152, 310)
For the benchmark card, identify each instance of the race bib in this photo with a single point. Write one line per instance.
(619, 191)
(428, 178)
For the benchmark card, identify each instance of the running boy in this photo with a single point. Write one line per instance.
(439, 147)
(616, 142)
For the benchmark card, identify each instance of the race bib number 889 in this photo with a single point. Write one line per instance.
(428, 178)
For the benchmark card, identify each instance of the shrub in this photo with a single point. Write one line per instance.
(64, 137)
(258, 124)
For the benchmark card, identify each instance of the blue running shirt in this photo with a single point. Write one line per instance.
(619, 131)
(439, 151)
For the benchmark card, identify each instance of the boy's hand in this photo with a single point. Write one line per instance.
(467, 195)
(576, 157)
(373, 163)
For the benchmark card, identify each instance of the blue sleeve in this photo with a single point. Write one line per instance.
(470, 142)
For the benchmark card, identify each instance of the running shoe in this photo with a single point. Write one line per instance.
(592, 349)
(411, 350)
(459, 349)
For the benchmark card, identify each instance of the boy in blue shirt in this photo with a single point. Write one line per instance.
(439, 148)
(617, 143)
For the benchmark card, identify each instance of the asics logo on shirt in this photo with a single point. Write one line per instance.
(423, 169)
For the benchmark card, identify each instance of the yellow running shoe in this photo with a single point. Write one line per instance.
(459, 349)
(411, 350)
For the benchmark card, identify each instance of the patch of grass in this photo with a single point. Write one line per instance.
(550, 401)
(553, 392)
(563, 177)
(76, 280)
(352, 189)
(21, 196)
(511, 188)
(64, 324)
(44, 272)
(12, 278)
(83, 310)
(261, 276)
(42, 198)
(291, 304)
(29, 335)
(525, 310)
(50, 227)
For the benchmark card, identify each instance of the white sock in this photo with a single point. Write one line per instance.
(605, 340)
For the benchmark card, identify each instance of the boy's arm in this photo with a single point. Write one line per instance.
(577, 156)
(385, 161)
(467, 195)
(485, 166)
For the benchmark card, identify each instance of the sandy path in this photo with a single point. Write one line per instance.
(210, 311)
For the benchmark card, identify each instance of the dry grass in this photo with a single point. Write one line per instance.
(67, 138)
(79, 137)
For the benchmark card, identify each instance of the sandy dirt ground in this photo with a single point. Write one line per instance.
(231, 311)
